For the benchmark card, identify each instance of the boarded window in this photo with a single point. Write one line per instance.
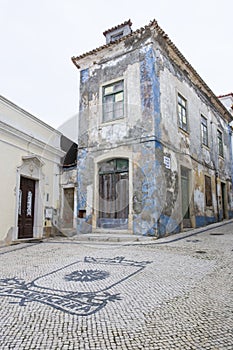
(182, 113)
(113, 101)
(208, 191)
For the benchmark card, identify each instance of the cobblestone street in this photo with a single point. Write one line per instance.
(171, 293)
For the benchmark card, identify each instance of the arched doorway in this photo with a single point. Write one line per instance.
(113, 194)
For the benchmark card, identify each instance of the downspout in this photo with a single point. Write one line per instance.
(231, 151)
(216, 190)
(215, 172)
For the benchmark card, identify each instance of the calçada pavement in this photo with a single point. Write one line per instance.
(172, 293)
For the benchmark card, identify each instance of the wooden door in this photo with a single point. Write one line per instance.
(114, 194)
(122, 196)
(107, 191)
(68, 207)
(223, 208)
(26, 208)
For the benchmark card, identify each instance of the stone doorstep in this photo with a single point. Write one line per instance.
(111, 237)
(27, 240)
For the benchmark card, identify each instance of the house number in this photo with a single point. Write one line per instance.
(167, 162)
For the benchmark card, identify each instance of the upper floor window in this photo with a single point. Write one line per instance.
(204, 131)
(113, 101)
(182, 113)
(220, 143)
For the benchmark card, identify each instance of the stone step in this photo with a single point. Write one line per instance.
(110, 237)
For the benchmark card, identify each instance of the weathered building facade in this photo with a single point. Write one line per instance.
(154, 141)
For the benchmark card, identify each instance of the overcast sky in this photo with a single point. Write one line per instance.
(39, 37)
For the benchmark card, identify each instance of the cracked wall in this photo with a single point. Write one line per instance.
(150, 138)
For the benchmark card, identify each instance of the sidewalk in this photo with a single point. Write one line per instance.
(126, 239)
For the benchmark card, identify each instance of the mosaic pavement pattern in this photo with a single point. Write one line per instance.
(174, 293)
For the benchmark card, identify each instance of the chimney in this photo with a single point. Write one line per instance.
(118, 32)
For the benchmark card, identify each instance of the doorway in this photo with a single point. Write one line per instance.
(114, 194)
(223, 201)
(68, 207)
(26, 208)
(185, 197)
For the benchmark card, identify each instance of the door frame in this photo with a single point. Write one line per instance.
(224, 202)
(65, 187)
(114, 217)
(188, 166)
(95, 205)
(31, 167)
(26, 183)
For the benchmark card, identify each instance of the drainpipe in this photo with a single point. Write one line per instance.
(216, 190)
(215, 171)
(231, 150)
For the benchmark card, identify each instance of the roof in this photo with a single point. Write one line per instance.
(129, 23)
(154, 25)
(227, 95)
(29, 115)
(100, 48)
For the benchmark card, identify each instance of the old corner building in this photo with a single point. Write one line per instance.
(155, 150)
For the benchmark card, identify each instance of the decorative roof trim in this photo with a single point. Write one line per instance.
(129, 23)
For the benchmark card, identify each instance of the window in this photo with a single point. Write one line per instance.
(220, 143)
(182, 113)
(116, 36)
(204, 131)
(113, 101)
(208, 191)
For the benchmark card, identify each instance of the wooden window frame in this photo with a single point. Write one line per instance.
(182, 112)
(204, 131)
(220, 143)
(110, 95)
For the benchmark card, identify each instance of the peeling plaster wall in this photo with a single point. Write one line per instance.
(203, 160)
(149, 132)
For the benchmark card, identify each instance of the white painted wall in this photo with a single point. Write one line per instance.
(22, 135)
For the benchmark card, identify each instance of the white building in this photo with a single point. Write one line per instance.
(227, 101)
(30, 157)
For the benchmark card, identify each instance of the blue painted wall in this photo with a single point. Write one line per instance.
(204, 220)
(147, 222)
